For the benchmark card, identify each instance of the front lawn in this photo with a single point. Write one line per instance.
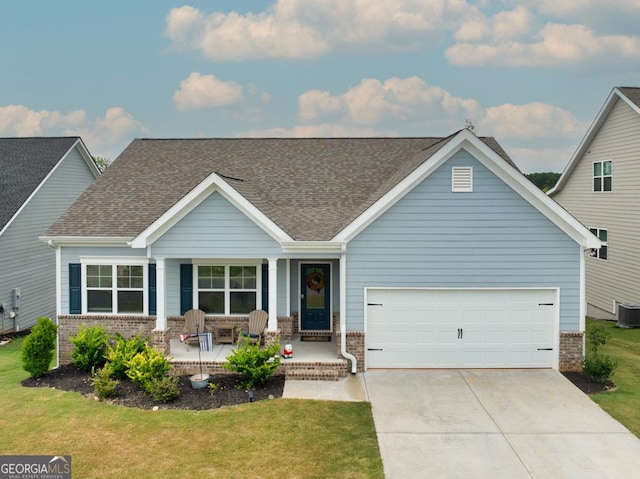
(268, 439)
(624, 402)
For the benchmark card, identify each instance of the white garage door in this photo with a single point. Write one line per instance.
(462, 328)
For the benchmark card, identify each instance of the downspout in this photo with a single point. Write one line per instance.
(343, 311)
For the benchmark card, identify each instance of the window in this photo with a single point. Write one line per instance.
(462, 179)
(227, 289)
(602, 175)
(602, 236)
(115, 288)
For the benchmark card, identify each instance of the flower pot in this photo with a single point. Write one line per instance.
(199, 381)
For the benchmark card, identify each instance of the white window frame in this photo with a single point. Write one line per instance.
(227, 264)
(595, 252)
(462, 179)
(602, 176)
(114, 263)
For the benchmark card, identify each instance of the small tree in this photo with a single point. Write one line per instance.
(599, 367)
(39, 347)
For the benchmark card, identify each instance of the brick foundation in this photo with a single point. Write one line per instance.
(571, 351)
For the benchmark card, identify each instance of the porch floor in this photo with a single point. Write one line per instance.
(303, 352)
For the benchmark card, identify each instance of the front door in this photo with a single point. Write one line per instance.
(315, 304)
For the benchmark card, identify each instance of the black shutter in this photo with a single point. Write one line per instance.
(75, 288)
(153, 309)
(265, 287)
(186, 287)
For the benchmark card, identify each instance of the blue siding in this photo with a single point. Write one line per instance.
(216, 229)
(491, 237)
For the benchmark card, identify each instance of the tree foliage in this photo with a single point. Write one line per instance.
(545, 181)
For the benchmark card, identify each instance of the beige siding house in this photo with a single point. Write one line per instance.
(601, 187)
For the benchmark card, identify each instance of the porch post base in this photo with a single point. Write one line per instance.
(271, 337)
(162, 339)
(571, 351)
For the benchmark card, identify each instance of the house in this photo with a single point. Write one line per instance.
(599, 187)
(39, 179)
(409, 252)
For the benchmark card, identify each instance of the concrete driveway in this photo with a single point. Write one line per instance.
(495, 424)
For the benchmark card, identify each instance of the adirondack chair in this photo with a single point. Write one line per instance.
(257, 324)
(193, 322)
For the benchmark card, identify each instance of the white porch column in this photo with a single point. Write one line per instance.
(272, 325)
(161, 312)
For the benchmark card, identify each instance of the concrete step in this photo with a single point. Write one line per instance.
(312, 374)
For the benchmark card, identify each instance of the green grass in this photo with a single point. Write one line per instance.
(266, 439)
(624, 402)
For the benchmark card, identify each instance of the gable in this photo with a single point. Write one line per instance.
(215, 228)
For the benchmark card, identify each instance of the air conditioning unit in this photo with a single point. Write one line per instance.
(629, 315)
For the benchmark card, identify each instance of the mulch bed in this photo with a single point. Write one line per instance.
(587, 385)
(70, 378)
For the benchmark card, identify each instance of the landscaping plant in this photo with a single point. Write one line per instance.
(597, 366)
(146, 366)
(122, 352)
(104, 384)
(39, 347)
(255, 364)
(89, 347)
(164, 389)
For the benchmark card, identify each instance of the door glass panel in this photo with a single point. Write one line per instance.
(315, 288)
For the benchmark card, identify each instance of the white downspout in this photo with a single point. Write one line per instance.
(343, 311)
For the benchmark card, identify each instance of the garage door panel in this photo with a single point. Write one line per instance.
(460, 328)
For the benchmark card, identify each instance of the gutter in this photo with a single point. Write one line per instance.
(343, 311)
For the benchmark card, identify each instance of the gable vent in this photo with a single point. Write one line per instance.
(462, 179)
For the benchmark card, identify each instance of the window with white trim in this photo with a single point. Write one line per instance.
(462, 179)
(227, 289)
(115, 287)
(602, 175)
(602, 252)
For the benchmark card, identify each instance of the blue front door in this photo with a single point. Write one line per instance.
(315, 298)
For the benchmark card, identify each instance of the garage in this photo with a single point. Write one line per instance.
(461, 328)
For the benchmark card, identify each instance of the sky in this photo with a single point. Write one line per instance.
(531, 73)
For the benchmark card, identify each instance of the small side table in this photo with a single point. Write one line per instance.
(225, 332)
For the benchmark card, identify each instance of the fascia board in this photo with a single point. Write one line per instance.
(211, 184)
(86, 240)
(533, 195)
(84, 152)
(398, 191)
(312, 247)
(588, 137)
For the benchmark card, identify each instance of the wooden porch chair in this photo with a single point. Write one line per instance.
(193, 322)
(257, 324)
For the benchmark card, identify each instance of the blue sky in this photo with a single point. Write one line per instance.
(532, 73)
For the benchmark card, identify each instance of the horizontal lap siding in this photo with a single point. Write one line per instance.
(618, 139)
(216, 229)
(27, 263)
(488, 238)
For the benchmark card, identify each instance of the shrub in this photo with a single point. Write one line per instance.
(39, 347)
(147, 365)
(255, 364)
(89, 347)
(213, 388)
(104, 385)
(598, 367)
(122, 352)
(164, 389)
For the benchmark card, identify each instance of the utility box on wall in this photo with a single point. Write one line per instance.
(15, 298)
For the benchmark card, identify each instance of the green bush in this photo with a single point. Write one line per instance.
(164, 389)
(89, 347)
(147, 365)
(598, 367)
(255, 364)
(104, 385)
(122, 352)
(39, 347)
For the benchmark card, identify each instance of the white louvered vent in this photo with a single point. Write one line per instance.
(462, 179)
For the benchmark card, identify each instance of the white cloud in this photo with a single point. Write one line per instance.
(106, 136)
(505, 25)
(397, 99)
(206, 91)
(301, 29)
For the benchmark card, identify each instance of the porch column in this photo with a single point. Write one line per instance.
(272, 325)
(161, 312)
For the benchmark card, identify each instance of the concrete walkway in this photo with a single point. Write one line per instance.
(495, 424)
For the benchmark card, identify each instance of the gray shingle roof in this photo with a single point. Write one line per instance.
(632, 93)
(312, 187)
(24, 164)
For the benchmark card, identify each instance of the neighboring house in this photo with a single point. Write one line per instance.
(413, 252)
(39, 179)
(599, 187)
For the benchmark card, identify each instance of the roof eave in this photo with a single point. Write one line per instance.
(56, 241)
